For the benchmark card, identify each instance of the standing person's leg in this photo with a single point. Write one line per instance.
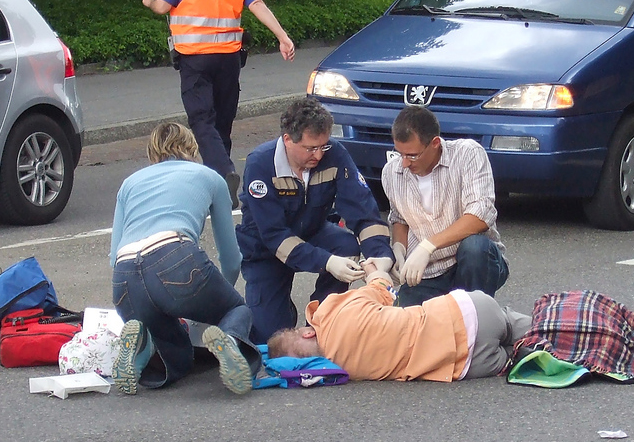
(426, 289)
(480, 265)
(268, 295)
(337, 241)
(226, 80)
(197, 93)
(498, 329)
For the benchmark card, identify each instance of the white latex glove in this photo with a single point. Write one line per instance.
(399, 253)
(414, 267)
(383, 264)
(344, 269)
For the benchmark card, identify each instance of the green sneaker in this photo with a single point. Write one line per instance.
(234, 369)
(134, 354)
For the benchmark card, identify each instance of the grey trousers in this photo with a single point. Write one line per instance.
(498, 329)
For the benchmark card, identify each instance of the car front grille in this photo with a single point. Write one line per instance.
(446, 97)
(384, 135)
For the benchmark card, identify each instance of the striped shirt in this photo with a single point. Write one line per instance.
(462, 183)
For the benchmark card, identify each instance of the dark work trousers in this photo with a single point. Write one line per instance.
(269, 283)
(210, 88)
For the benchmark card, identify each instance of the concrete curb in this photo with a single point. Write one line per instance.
(139, 128)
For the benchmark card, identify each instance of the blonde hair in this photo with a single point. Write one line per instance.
(282, 343)
(172, 140)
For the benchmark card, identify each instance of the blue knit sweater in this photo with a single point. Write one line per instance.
(176, 195)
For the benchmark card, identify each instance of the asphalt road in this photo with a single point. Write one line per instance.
(550, 248)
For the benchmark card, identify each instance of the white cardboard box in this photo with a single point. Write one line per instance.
(62, 386)
(101, 318)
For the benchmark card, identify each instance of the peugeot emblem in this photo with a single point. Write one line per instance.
(418, 95)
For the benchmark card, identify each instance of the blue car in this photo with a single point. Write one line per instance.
(546, 86)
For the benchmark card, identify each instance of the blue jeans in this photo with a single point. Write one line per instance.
(479, 266)
(176, 281)
(269, 283)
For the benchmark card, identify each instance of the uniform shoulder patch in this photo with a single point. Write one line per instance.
(361, 179)
(258, 189)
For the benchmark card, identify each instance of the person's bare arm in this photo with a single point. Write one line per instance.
(158, 6)
(264, 14)
(399, 233)
(464, 226)
(368, 267)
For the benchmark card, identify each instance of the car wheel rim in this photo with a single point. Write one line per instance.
(40, 169)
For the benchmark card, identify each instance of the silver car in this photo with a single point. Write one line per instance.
(41, 128)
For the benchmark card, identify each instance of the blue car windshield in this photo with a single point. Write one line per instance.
(615, 12)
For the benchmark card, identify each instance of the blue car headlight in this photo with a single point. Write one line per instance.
(330, 84)
(528, 97)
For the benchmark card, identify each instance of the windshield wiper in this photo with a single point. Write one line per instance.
(577, 21)
(510, 12)
(419, 10)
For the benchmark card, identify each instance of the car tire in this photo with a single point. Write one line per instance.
(612, 205)
(36, 173)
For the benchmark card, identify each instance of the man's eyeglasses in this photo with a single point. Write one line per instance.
(396, 153)
(323, 148)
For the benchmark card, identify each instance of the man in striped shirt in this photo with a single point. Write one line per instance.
(442, 212)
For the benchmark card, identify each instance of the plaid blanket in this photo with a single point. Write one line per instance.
(585, 328)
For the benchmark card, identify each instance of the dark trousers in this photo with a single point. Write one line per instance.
(176, 281)
(479, 266)
(269, 283)
(210, 88)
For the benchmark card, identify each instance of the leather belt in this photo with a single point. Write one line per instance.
(149, 244)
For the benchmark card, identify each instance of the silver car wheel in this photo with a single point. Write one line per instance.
(627, 176)
(40, 168)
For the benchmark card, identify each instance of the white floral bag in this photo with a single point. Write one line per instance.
(88, 352)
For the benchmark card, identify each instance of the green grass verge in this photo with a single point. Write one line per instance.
(126, 34)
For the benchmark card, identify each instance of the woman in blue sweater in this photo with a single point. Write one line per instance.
(162, 274)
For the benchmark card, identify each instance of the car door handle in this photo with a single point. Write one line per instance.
(4, 71)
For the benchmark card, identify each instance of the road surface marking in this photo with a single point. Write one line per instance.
(629, 262)
(98, 232)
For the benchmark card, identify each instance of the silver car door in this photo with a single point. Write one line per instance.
(8, 67)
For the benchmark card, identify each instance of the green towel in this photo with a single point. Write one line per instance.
(542, 369)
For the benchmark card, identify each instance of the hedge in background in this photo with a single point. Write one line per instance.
(126, 32)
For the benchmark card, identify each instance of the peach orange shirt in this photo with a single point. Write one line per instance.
(362, 332)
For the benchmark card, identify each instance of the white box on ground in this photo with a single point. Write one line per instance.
(62, 386)
(101, 318)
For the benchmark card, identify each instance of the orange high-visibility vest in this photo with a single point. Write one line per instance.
(207, 27)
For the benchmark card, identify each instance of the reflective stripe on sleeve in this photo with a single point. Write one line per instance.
(287, 246)
(375, 230)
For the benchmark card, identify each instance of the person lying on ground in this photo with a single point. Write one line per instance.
(460, 335)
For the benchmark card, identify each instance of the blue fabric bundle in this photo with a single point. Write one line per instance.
(288, 372)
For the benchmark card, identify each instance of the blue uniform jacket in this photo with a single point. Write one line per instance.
(279, 214)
